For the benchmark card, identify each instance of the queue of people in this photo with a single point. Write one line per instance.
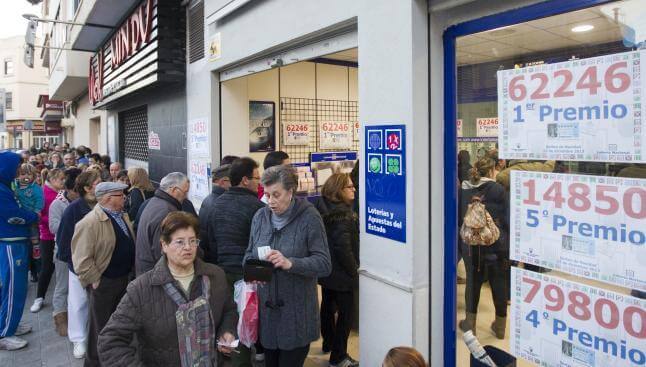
(141, 280)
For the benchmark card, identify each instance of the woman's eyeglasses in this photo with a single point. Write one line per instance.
(180, 243)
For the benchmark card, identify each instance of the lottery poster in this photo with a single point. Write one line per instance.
(335, 135)
(588, 226)
(557, 322)
(487, 127)
(579, 110)
(296, 133)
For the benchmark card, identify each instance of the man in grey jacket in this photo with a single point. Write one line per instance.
(290, 234)
(173, 190)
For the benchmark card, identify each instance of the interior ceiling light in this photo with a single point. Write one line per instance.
(583, 28)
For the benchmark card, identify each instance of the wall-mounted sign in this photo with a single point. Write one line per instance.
(145, 49)
(335, 135)
(357, 130)
(296, 133)
(153, 141)
(215, 47)
(198, 138)
(458, 124)
(385, 159)
(487, 127)
(589, 226)
(199, 176)
(557, 322)
(579, 110)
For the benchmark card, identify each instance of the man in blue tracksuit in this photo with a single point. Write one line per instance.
(14, 256)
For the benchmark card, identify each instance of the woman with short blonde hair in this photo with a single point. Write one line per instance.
(140, 189)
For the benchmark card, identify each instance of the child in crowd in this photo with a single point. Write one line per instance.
(30, 197)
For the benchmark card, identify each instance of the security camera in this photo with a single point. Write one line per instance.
(276, 63)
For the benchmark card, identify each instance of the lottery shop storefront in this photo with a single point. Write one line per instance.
(553, 93)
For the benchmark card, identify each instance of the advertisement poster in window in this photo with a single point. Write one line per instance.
(335, 135)
(458, 124)
(589, 226)
(262, 126)
(487, 127)
(558, 322)
(579, 110)
(296, 132)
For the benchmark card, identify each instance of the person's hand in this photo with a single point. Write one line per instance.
(226, 338)
(279, 261)
(95, 285)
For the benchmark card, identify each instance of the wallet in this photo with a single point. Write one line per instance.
(257, 270)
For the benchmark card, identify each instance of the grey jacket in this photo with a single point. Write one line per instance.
(304, 242)
(56, 210)
(148, 247)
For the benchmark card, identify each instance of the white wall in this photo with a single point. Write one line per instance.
(84, 132)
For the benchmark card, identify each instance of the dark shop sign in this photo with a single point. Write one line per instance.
(145, 50)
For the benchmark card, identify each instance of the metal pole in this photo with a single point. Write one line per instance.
(57, 48)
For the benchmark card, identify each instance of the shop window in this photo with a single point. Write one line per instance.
(133, 133)
(8, 67)
(196, 32)
(564, 172)
(8, 100)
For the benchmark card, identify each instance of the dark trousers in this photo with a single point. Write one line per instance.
(47, 263)
(477, 273)
(102, 302)
(336, 330)
(286, 358)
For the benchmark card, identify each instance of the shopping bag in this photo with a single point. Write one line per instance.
(246, 298)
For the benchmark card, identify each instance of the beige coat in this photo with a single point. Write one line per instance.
(92, 245)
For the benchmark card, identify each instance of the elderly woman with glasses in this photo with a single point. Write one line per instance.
(290, 234)
(181, 311)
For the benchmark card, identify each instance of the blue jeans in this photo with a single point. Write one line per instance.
(14, 265)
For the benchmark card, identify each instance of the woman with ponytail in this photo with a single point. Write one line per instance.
(486, 262)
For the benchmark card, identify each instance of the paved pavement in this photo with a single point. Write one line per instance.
(47, 349)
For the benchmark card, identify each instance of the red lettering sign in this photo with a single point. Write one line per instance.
(95, 79)
(133, 34)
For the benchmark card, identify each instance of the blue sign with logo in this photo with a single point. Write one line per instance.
(385, 168)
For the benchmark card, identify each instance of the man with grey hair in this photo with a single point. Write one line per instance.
(114, 171)
(103, 254)
(173, 190)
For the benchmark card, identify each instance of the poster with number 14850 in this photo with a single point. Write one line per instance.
(589, 226)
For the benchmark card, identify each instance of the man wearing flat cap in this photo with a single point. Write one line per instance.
(103, 253)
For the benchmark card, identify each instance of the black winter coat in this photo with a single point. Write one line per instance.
(496, 202)
(136, 197)
(205, 210)
(342, 227)
(229, 227)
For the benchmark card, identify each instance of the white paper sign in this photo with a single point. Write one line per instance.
(198, 138)
(154, 143)
(581, 110)
(556, 322)
(198, 174)
(459, 127)
(296, 133)
(590, 226)
(487, 127)
(357, 130)
(335, 135)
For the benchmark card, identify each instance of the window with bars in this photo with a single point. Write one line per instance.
(133, 133)
(314, 112)
(196, 32)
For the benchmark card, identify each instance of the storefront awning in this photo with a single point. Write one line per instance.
(101, 20)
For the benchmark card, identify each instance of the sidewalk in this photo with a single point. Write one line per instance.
(47, 349)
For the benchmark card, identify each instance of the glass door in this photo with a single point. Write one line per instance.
(551, 189)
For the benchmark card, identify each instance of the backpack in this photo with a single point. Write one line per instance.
(478, 227)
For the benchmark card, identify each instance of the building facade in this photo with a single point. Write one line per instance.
(22, 87)
(411, 70)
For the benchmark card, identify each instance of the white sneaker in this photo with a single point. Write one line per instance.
(38, 304)
(12, 343)
(22, 329)
(260, 357)
(79, 350)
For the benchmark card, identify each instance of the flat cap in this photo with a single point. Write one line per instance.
(221, 172)
(107, 187)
